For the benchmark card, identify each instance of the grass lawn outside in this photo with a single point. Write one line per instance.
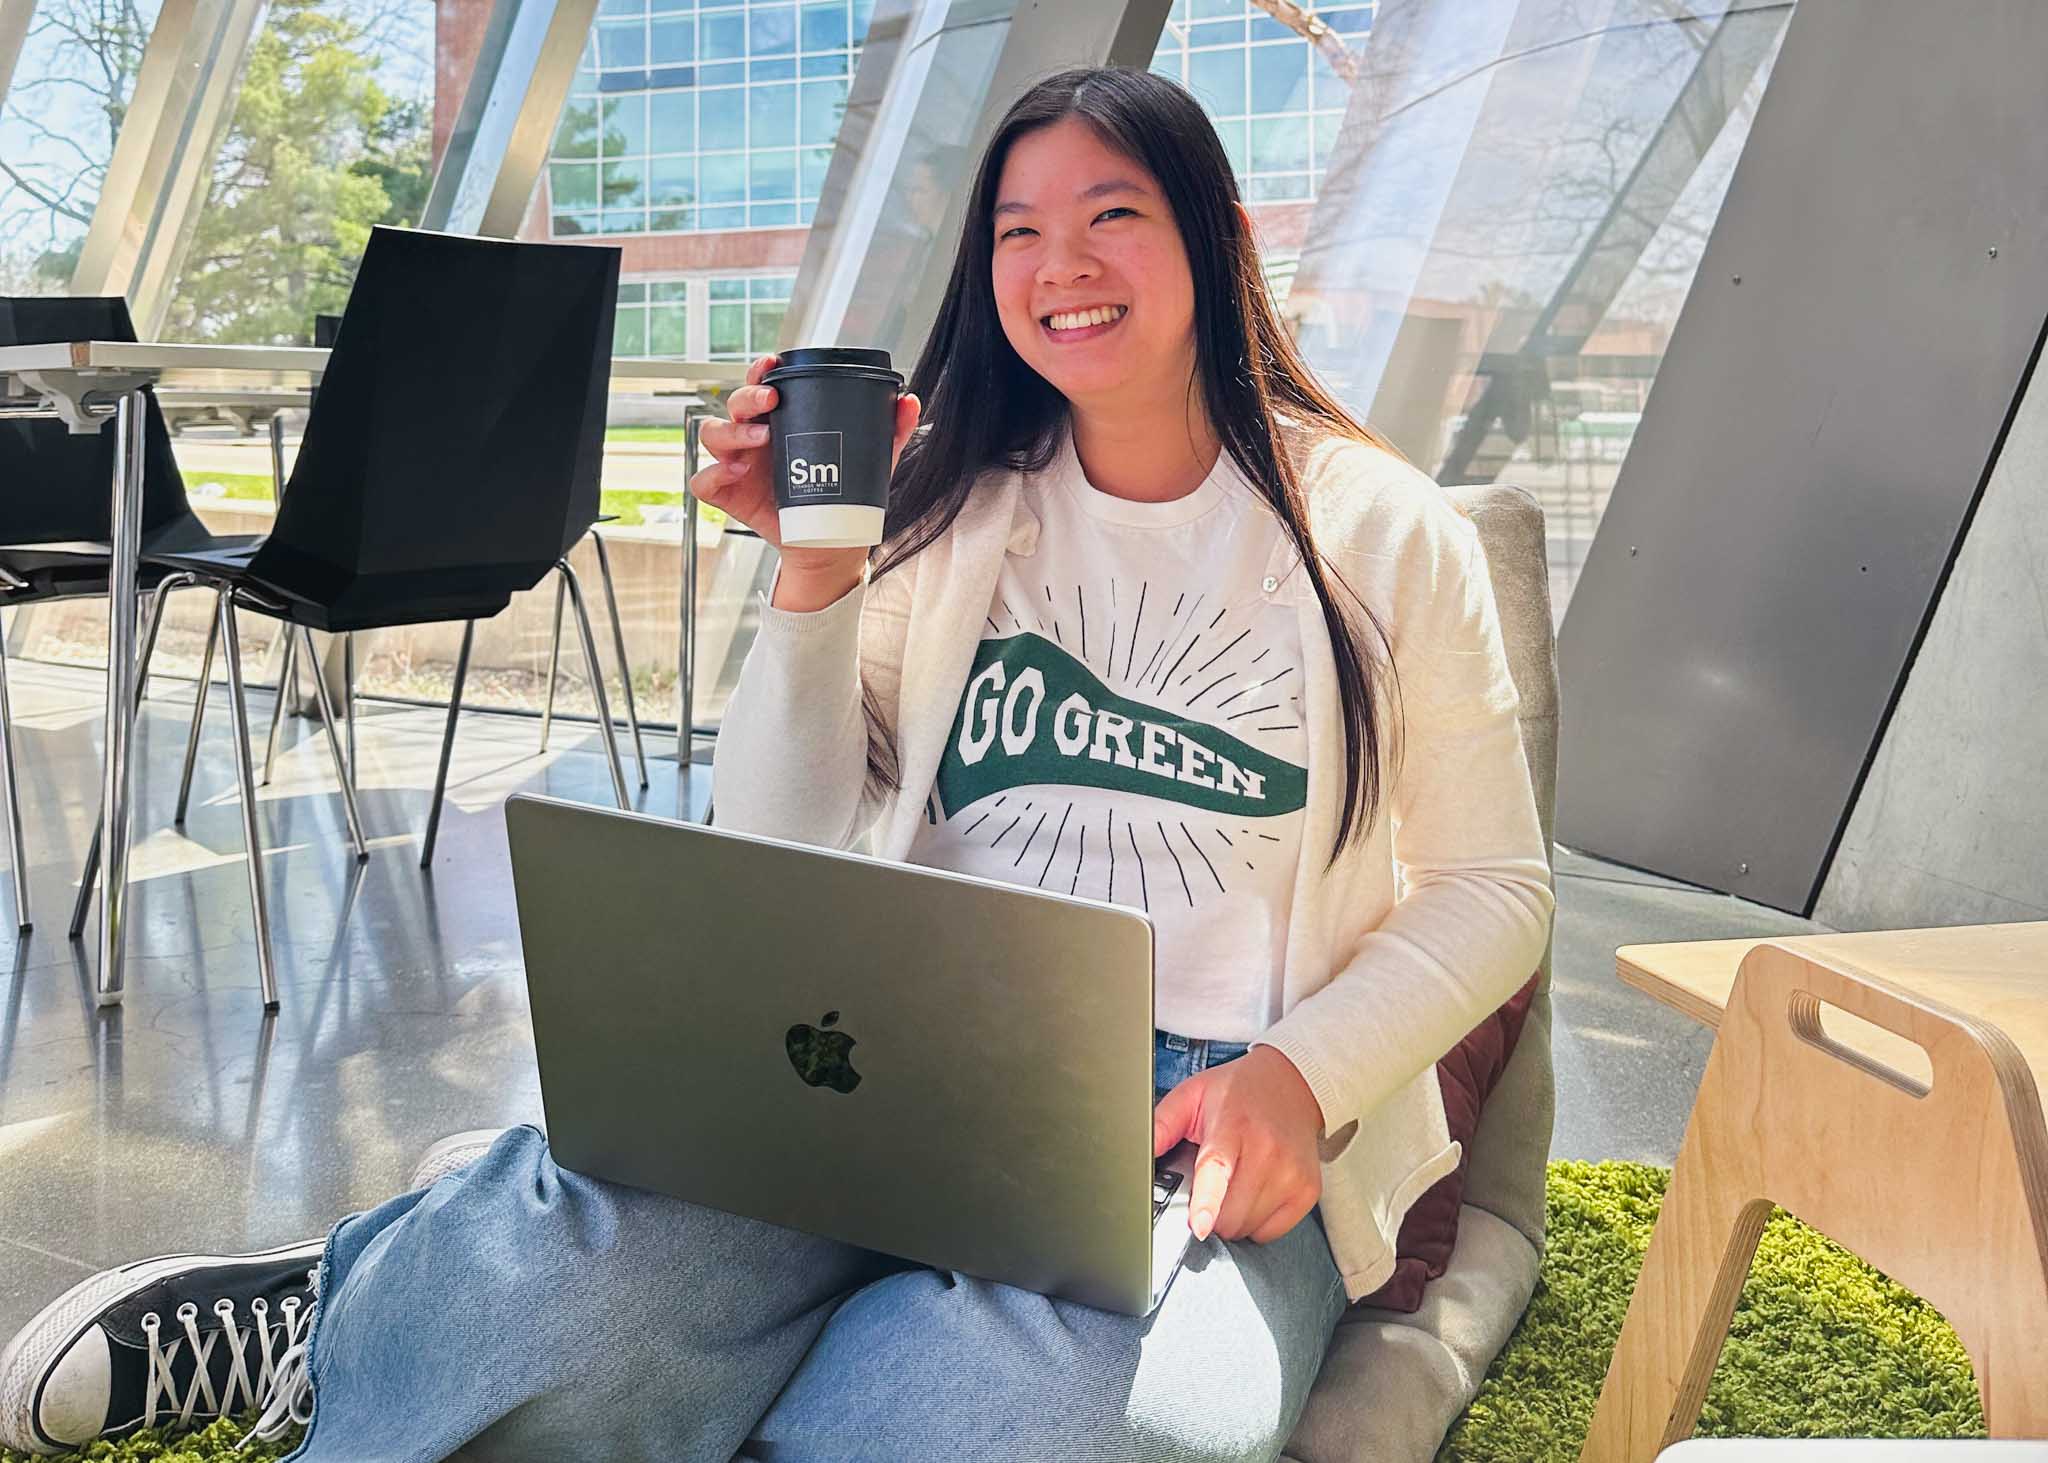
(670, 435)
(625, 502)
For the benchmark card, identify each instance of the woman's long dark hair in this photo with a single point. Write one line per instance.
(986, 408)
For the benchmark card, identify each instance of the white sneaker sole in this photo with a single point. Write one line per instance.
(56, 1326)
(456, 1151)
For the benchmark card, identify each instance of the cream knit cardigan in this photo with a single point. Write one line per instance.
(1416, 934)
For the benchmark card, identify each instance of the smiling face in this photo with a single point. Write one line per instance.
(1091, 278)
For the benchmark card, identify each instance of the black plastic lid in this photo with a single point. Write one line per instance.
(832, 355)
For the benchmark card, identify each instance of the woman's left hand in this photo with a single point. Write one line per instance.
(1256, 1121)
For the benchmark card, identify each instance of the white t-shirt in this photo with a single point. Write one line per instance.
(1131, 730)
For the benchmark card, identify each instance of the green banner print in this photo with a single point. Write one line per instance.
(1034, 714)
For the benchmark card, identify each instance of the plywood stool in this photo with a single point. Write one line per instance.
(1937, 1176)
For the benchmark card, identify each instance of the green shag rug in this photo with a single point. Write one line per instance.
(1821, 1346)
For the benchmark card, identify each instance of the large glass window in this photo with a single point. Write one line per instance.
(325, 134)
(691, 105)
(1275, 99)
(746, 314)
(1495, 271)
(653, 319)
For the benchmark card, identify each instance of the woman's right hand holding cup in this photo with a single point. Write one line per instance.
(741, 484)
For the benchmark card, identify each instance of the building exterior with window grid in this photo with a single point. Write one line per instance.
(697, 134)
(1274, 98)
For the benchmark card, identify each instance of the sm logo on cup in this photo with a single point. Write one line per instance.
(811, 464)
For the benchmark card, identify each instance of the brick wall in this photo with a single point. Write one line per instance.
(458, 35)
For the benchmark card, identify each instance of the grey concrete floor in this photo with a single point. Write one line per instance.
(186, 1119)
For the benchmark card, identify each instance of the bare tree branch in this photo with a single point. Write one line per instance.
(1303, 21)
(50, 201)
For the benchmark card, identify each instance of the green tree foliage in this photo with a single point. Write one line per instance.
(401, 160)
(316, 155)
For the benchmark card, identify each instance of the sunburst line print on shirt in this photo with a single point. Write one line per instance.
(1128, 730)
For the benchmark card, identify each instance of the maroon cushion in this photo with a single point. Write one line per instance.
(1467, 1075)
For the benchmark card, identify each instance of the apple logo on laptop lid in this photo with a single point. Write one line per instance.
(822, 1058)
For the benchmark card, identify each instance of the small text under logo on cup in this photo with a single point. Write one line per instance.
(813, 459)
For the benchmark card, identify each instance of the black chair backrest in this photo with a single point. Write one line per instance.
(325, 328)
(55, 484)
(453, 454)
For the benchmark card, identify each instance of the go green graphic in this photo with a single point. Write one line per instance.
(1034, 714)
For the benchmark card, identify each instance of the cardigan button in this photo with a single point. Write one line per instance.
(1270, 584)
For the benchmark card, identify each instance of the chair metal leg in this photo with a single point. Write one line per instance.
(272, 673)
(155, 623)
(13, 798)
(348, 792)
(287, 682)
(447, 745)
(276, 458)
(348, 699)
(611, 599)
(547, 710)
(604, 710)
(245, 771)
(198, 710)
(88, 878)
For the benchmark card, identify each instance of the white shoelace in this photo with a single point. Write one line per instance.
(291, 1401)
(280, 1365)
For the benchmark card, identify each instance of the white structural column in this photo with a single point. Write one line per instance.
(935, 78)
(157, 179)
(15, 16)
(508, 117)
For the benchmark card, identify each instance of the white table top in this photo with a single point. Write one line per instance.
(241, 367)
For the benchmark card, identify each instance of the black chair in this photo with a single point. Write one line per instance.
(54, 515)
(450, 462)
(325, 329)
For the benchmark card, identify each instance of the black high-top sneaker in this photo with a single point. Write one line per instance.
(170, 1342)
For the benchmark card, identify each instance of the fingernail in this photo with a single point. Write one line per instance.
(757, 434)
(1203, 1219)
(738, 466)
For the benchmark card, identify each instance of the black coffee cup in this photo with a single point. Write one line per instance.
(830, 439)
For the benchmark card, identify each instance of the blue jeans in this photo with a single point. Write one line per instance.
(522, 1312)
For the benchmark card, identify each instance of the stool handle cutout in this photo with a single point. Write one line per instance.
(1809, 1016)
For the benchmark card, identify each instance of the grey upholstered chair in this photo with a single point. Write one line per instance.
(1393, 1384)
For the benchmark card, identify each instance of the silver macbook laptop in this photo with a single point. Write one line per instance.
(939, 1067)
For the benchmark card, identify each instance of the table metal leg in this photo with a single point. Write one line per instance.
(547, 709)
(89, 876)
(590, 660)
(245, 771)
(125, 525)
(611, 600)
(686, 651)
(287, 687)
(447, 746)
(17, 851)
(341, 767)
(198, 712)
